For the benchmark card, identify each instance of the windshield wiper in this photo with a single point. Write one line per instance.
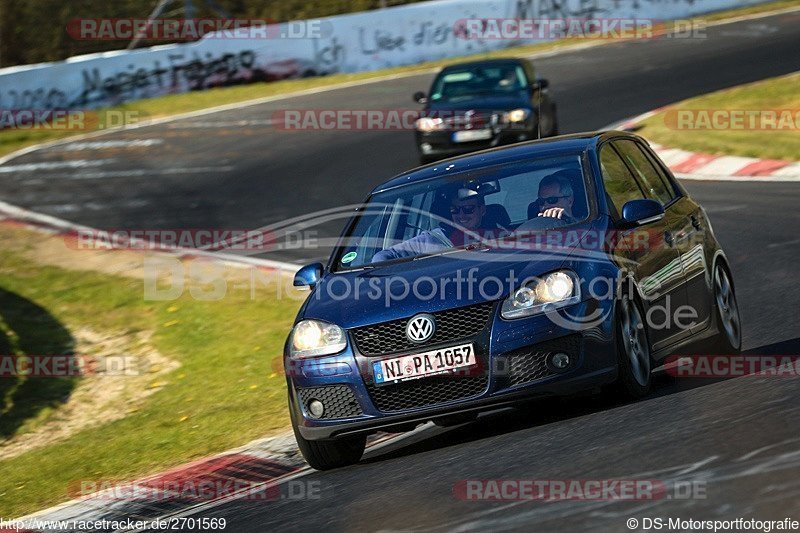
(468, 248)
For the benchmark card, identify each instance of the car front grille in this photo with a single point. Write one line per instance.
(477, 120)
(453, 324)
(338, 400)
(530, 363)
(426, 392)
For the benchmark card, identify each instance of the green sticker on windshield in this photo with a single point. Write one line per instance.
(348, 257)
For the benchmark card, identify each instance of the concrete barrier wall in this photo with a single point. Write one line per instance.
(347, 43)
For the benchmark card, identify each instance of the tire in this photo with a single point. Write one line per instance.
(330, 454)
(728, 340)
(635, 363)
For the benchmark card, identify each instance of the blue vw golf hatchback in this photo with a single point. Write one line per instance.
(545, 268)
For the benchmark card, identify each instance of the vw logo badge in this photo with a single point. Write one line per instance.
(420, 328)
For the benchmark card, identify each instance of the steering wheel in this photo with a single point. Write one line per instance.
(541, 223)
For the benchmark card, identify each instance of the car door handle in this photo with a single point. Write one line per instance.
(668, 238)
(695, 222)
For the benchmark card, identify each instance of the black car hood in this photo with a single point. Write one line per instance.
(488, 103)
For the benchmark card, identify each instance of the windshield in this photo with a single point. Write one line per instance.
(440, 215)
(467, 83)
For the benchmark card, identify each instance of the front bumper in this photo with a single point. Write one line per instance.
(512, 366)
(441, 143)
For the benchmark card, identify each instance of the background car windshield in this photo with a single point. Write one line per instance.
(467, 83)
(423, 210)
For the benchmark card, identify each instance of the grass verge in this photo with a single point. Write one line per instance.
(223, 388)
(773, 94)
(169, 105)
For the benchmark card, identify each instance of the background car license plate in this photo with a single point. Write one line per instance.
(471, 135)
(423, 364)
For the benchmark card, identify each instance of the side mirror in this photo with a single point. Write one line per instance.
(420, 97)
(540, 84)
(309, 275)
(641, 212)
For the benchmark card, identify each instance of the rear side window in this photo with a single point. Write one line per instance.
(659, 165)
(654, 186)
(620, 185)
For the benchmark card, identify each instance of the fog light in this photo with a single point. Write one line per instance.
(560, 361)
(315, 408)
(426, 148)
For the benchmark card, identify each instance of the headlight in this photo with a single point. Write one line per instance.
(552, 291)
(311, 338)
(517, 115)
(429, 124)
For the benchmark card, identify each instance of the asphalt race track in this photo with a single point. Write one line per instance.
(740, 438)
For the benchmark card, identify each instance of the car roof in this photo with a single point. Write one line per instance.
(483, 63)
(551, 146)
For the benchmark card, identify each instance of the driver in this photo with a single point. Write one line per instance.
(467, 215)
(556, 196)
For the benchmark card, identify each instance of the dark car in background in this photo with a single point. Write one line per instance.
(632, 248)
(482, 104)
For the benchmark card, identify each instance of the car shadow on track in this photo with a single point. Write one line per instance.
(27, 329)
(546, 411)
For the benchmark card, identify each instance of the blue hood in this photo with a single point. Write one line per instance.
(365, 303)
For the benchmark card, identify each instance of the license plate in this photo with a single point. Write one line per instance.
(423, 364)
(471, 135)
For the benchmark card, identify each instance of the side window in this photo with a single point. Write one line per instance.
(668, 181)
(521, 77)
(649, 177)
(530, 73)
(620, 185)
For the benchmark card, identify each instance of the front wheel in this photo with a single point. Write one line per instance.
(729, 338)
(633, 351)
(330, 454)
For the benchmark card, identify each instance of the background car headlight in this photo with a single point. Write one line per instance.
(517, 115)
(311, 338)
(429, 124)
(552, 291)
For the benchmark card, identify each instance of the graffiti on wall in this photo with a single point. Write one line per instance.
(357, 42)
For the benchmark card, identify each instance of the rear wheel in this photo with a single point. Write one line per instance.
(729, 338)
(633, 351)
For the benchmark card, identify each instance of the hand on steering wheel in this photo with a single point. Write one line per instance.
(554, 212)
